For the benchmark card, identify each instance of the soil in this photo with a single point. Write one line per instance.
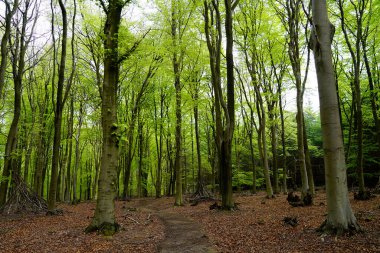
(155, 225)
(183, 235)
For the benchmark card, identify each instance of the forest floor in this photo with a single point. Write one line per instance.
(155, 225)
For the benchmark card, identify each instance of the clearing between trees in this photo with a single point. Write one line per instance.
(155, 225)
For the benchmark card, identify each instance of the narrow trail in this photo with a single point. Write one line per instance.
(181, 233)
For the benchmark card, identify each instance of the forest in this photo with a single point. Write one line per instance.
(198, 112)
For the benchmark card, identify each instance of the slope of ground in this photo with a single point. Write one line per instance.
(256, 227)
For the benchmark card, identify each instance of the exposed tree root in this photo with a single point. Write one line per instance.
(330, 229)
(54, 212)
(197, 200)
(23, 199)
(295, 201)
(219, 207)
(201, 195)
(106, 228)
(362, 195)
(176, 204)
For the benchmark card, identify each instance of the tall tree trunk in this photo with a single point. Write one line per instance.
(262, 142)
(59, 104)
(301, 150)
(177, 159)
(41, 146)
(68, 189)
(131, 126)
(224, 133)
(140, 154)
(29, 135)
(293, 23)
(309, 168)
(144, 165)
(77, 152)
(159, 142)
(9, 12)
(273, 132)
(128, 159)
(283, 143)
(104, 218)
(355, 53)
(97, 156)
(18, 65)
(178, 98)
(10, 148)
(373, 95)
(254, 176)
(226, 147)
(340, 217)
(200, 187)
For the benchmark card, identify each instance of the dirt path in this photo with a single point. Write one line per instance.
(181, 234)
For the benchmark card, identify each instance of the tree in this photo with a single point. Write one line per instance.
(159, 138)
(340, 217)
(9, 12)
(354, 47)
(279, 72)
(180, 16)
(19, 46)
(261, 81)
(224, 110)
(292, 19)
(61, 97)
(104, 218)
(136, 102)
(226, 143)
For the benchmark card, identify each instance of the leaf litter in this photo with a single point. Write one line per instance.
(257, 226)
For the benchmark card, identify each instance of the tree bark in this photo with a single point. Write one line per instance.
(68, 189)
(4, 42)
(19, 49)
(340, 217)
(226, 147)
(176, 60)
(273, 132)
(104, 218)
(77, 152)
(262, 142)
(41, 143)
(159, 142)
(59, 104)
(225, 126)
(355, 53)
(309, 168)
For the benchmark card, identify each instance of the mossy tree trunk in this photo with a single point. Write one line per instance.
(104, 219)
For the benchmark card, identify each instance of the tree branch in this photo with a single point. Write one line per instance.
(126, 55)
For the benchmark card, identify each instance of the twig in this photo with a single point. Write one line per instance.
(133, 220)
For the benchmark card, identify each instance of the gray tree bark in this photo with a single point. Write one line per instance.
(340, 217)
